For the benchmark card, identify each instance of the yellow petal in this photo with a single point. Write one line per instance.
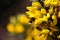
(30, 8)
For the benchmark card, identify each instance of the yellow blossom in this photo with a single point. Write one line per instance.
(38, 21)
(30, 8)
(43, 11)
(53, 16)
(48, 15)
(47, 2)
(51, 10)
(55, 2)
(35, 14)
(36, 4)
(45, 18)
(45, 31)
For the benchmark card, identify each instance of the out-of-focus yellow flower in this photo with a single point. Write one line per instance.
(30, 8)
(10, 28)
(51, 33)
(59, 14)
(53, 16)
(38, 21)
(12, 19)
(51, 10)
(45, 18)
(22, 19)
(45, 31)
(58, 36)
(36, 4)
(19, 28)
(43, 11)
(48, 15)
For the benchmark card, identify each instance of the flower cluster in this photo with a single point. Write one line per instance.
(44, 21)
(40, 21)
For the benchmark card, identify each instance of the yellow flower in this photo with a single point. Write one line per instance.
(48, 15)
(36, 4)
(38, 21)
(10, 28)
(45, 31)
(53, 16)
(51, 10)
(22, 19)
(55, 2)
(30, 8)
(47, 2)
(19, 28)
(35, 14)
(43, 11)
(45, 18)
(59, 14)
(30, 14)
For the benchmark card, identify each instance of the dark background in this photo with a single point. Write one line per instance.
(10, 8)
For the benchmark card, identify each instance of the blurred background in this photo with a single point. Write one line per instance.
(10, 8)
